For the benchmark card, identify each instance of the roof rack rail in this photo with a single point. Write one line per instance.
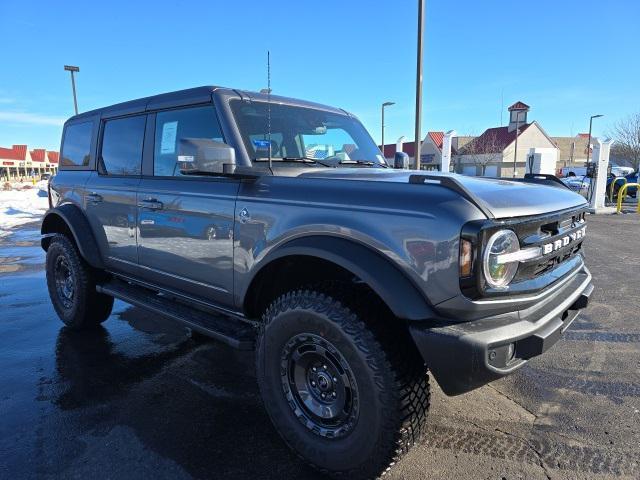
(452, 184)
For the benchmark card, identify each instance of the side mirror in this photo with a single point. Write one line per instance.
(201, 155)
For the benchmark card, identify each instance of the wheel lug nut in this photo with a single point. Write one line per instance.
(313, 384)
(314, 369)
(324, 366)
(335, 379)
(323, 395)
(333, 394)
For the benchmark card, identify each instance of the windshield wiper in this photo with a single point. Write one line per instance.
(294, 159)
(369, 163)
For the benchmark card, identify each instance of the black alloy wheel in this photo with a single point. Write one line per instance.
(65, 283)
(319, 385)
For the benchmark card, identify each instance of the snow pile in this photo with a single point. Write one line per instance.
(18, 207)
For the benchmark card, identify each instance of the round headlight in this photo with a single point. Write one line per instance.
(497, 272)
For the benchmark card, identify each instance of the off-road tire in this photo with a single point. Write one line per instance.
(391, 379)
(86, 308)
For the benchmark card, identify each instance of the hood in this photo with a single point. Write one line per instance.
(502, 198)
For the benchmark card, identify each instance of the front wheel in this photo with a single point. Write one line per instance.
(346, 392)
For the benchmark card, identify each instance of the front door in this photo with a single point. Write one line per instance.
(110, 193)
(185, 222)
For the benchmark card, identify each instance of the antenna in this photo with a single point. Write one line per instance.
(269, 104)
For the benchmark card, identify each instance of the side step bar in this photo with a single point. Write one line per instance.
(227, 330)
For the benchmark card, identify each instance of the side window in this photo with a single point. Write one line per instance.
(76, 145)
(122, 141)
(176, 127)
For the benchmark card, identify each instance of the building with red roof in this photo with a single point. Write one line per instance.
(430, 149)
(20, 162)
(573, 150)
(493, 153)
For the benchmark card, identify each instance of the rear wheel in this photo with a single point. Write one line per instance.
(346, 392)
(72, 286)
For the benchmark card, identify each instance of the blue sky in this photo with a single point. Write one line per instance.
(567, 59)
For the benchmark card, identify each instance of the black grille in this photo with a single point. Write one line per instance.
(547, 230)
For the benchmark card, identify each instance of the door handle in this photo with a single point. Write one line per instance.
(151, 204)
(94, 197)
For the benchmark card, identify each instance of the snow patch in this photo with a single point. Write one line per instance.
(18, 207)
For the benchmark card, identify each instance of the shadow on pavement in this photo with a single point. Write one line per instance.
(189, 400)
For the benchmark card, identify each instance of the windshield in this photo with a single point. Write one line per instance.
(329, 138)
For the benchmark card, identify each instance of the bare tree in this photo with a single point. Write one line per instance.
(483, 150)
(626, 134)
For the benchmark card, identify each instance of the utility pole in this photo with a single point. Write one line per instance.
(72, 69)
(515, 151)
(421, 7)
(589, 142)
(385, 104)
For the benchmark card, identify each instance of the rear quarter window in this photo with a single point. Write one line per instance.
(76, 145)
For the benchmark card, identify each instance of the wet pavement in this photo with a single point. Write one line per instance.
(142, 398)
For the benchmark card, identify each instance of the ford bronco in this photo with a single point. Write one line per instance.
(275, 225)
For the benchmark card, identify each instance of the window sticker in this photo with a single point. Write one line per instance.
(261, 143)
(168, 143)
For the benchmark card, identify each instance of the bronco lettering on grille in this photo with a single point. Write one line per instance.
(564, 241)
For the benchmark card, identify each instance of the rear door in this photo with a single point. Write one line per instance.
(185, 222)
(110, 193)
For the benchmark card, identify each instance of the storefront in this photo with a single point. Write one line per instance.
(18, 163)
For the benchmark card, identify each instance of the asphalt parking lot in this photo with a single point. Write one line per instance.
(140, 398)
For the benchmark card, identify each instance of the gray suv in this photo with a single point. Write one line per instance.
(275, 225)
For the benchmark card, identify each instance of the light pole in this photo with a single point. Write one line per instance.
(72, 69)
(589, 142)
(421, 7)
(385, 104)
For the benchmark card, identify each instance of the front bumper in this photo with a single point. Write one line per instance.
(464, 356)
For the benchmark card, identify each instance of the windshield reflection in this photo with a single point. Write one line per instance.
(305, 135)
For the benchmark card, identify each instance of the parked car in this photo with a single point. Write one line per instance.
(579, 184)
(573, 171)
(43, 183)
(620, 171)
(349, 279)
(616, 170)
(631, 178)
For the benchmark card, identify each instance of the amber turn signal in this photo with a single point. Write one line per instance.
(466, 258)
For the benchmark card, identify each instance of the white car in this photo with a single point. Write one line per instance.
(619, 171)
(578, 184)
(573, 171)
(43, 184)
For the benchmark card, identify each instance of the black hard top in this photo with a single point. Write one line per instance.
(191, 96)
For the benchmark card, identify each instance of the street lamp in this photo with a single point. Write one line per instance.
(71, 68)
(421, 8)
(589, 142)
(385, 104)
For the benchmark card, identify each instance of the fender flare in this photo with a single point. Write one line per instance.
(78, 224)
(402, 297)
